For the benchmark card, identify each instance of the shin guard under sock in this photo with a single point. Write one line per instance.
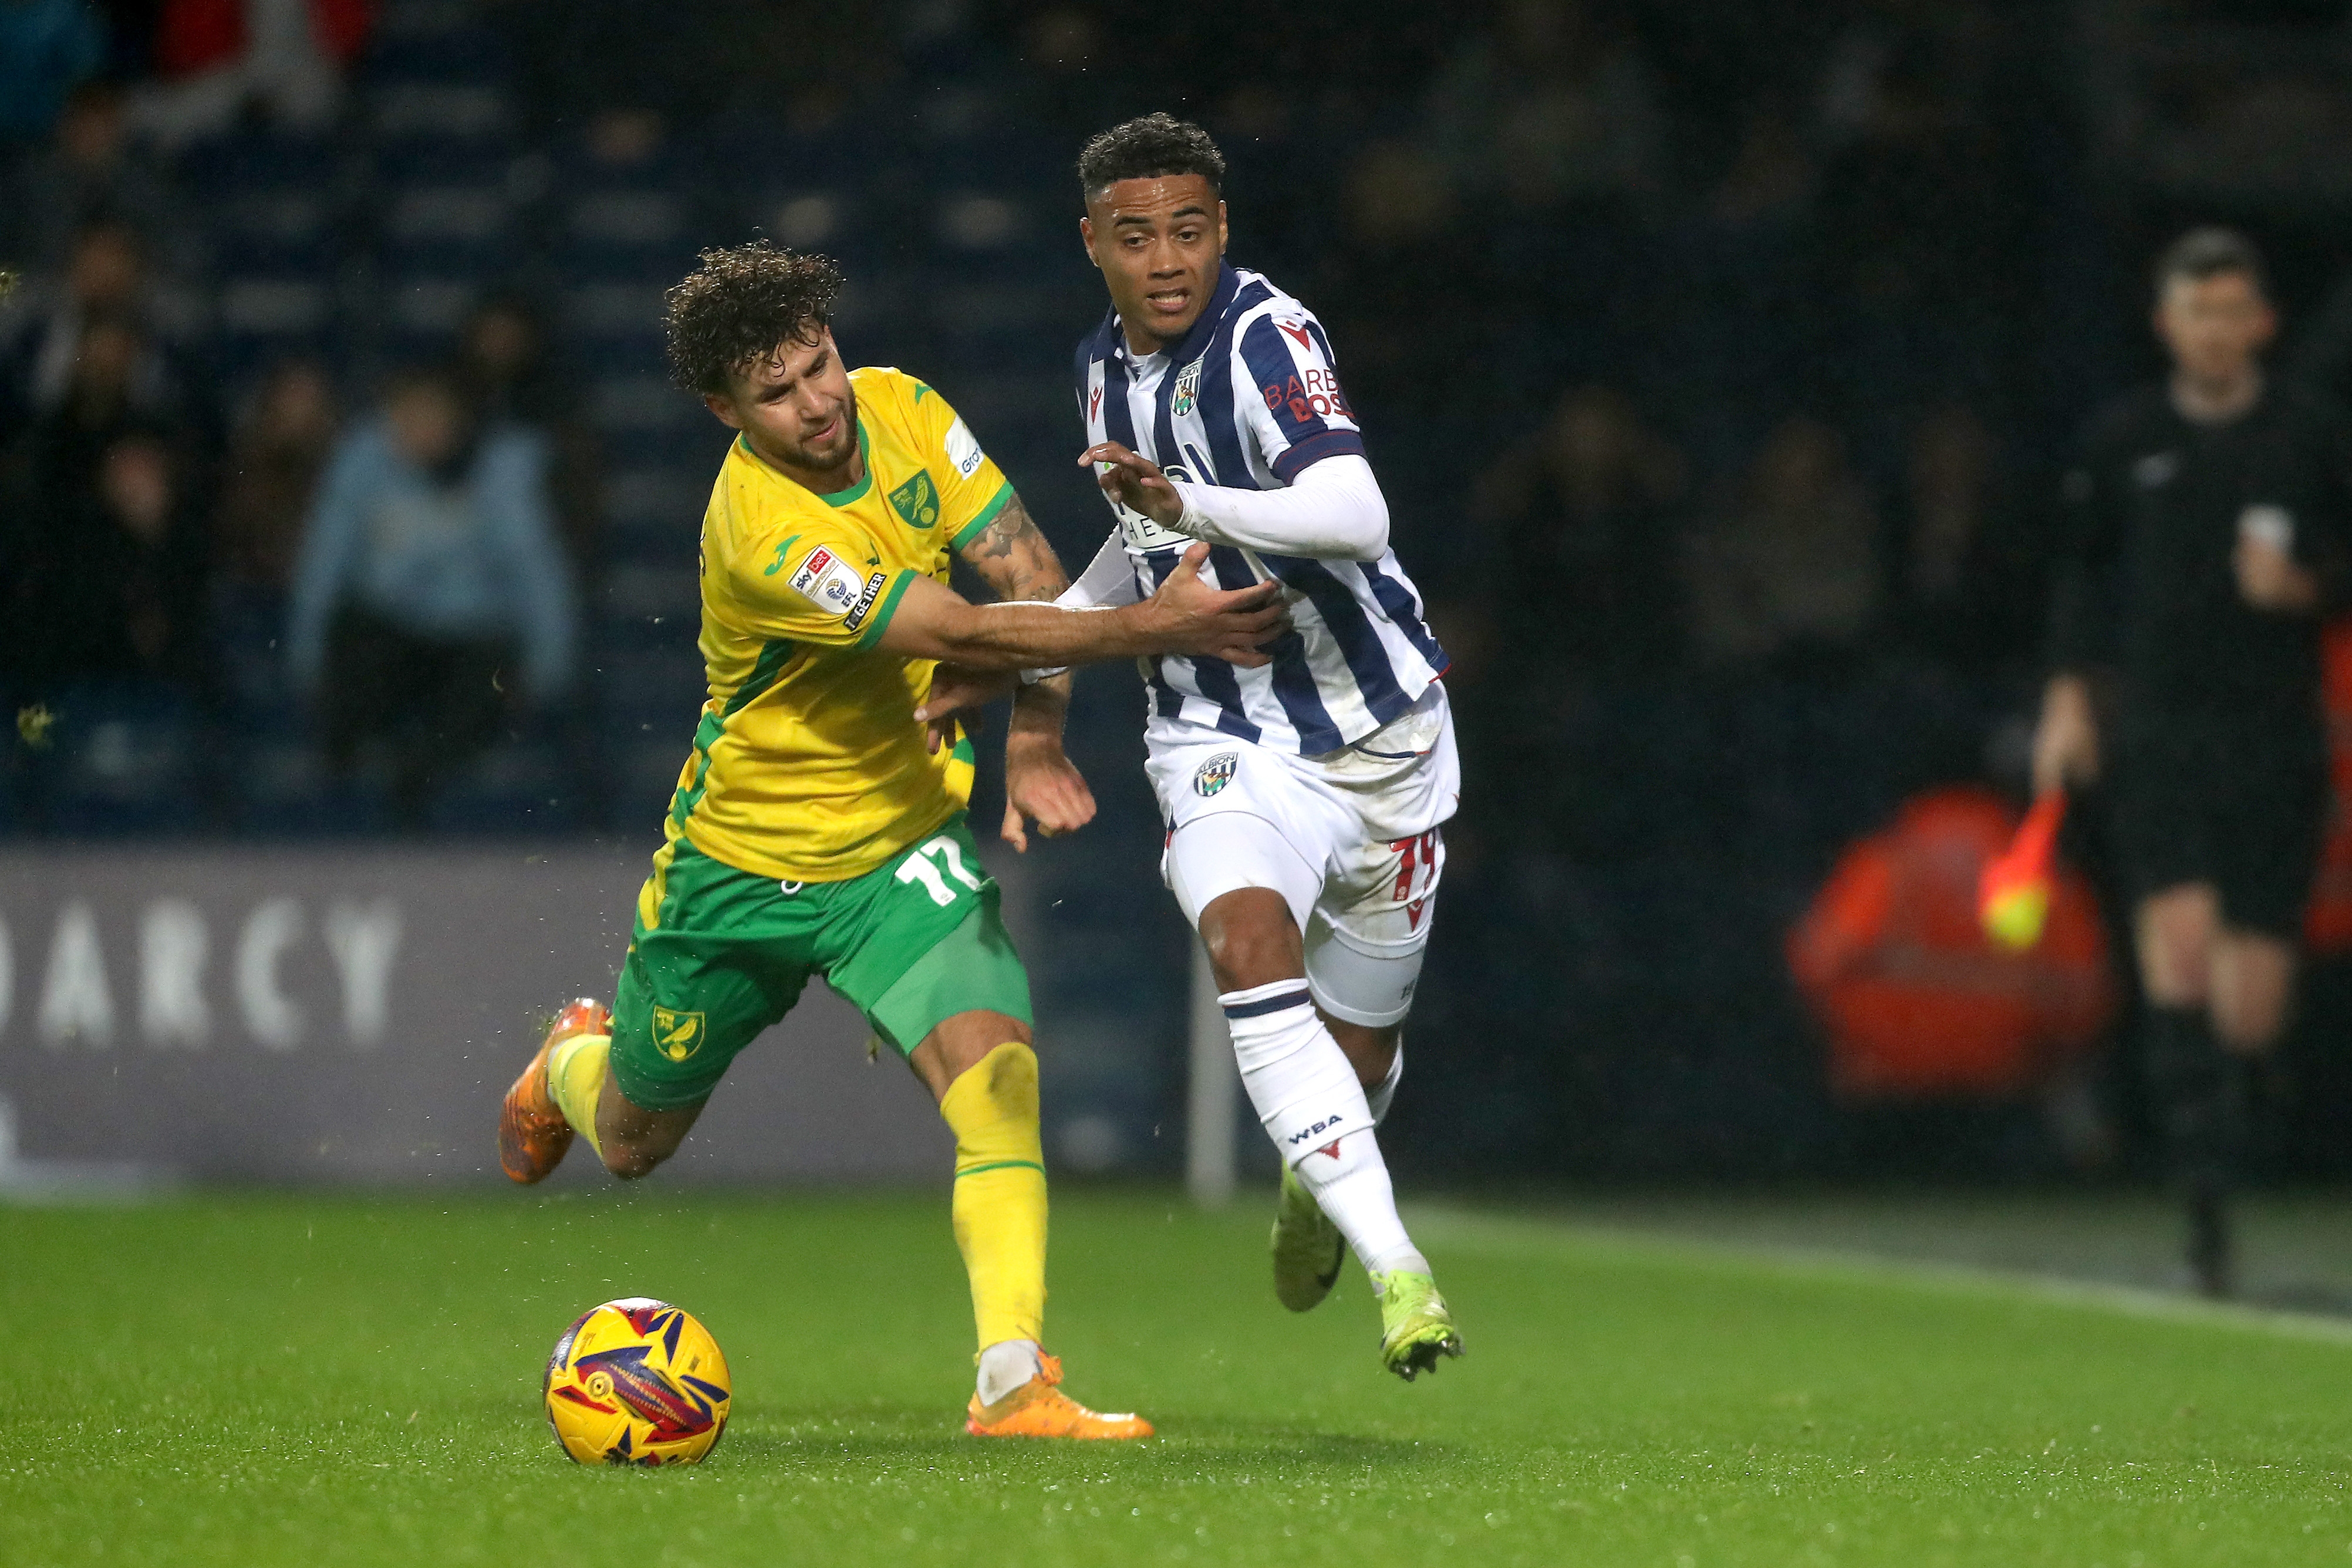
(1311, 1105)
(2198, 1090)
(1382, 1095)
(999, 1206)
(576, 1077)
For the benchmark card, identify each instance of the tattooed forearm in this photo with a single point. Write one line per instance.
(1013, 559)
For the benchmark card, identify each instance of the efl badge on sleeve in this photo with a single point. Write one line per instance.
(1215, 773)
(676, 1035)
(828, 581)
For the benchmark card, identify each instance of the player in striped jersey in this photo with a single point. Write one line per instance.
(1304, 800)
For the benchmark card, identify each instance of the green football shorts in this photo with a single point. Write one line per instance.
(910, 944)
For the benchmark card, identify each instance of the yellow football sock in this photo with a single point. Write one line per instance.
(575, 1075)
(999, 1192)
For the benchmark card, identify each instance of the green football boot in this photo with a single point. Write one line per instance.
(1416, 1325)
(1307, 1248)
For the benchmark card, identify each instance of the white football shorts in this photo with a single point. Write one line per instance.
(1350, 839)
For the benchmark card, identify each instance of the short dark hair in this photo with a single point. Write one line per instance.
(1151, 146)
(2208, 251)
(439, 378)
(739, 305)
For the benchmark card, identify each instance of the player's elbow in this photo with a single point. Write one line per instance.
(1356, 511)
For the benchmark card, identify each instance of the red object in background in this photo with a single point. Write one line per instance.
(192, 36)
(341, 27)
(2327, 924)
(1894, 959)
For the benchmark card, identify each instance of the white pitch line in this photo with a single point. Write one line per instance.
(1475, 1231)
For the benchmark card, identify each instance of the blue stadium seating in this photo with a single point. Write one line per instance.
(522, 787)
(123, 760)
(655, 512)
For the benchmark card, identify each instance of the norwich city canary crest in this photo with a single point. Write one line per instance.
(676, 1035)
(918, 501)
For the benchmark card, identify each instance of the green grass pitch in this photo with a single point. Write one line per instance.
(264, 1380)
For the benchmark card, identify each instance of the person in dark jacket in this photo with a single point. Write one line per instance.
(2209, 525)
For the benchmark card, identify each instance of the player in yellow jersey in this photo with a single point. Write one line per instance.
(816, 830)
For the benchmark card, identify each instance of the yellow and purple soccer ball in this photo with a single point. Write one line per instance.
(637, 1382)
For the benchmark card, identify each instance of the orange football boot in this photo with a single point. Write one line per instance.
(532, 1133)
(1040, 1409)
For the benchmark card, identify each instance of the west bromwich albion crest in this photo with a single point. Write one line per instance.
(1188, 386)
(1215, 773)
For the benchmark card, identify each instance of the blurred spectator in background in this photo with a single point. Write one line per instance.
(1919, 239)
(108, 387)
(430, 594)
(1794, 568)
(1969, 572)
(48, 48)
(1739, 269)
(1405, 264)
(1918, 1004)
(803, 60)
(93, 173)
(512, 379)
(105, 280)
(221, 60)
(106, 577)
(1586, 515)
(102, 558)
(1548, 107)
(1063, 44)
(273, 468)
(2321, 356)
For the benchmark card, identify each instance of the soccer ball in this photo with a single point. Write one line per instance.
(637, 1382)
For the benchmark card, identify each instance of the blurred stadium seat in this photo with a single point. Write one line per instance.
(125, 759)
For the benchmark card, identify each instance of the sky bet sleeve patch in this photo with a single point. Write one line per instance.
(836, 587)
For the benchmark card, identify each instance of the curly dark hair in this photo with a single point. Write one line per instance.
(739, 305)
(1151, 146)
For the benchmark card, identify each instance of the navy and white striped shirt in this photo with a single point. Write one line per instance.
(1248, 400)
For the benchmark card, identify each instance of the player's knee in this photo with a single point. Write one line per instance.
(1253, 956)
(2247, 1030)
(632, 1158)
(2252, 998)
(2173, 978)
(2176, 950)
(631, 1164)
(1251, 939)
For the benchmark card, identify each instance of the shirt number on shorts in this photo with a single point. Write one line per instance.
(1416, 863)
(920, 867)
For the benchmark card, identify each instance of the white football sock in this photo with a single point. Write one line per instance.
(1383, 1094)
(1007, 1365)
(1313, 1108)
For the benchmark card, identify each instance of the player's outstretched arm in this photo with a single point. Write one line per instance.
(1041, 784)
(1332, 510)
(1186, 617)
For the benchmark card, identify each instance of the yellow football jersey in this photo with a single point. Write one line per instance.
(808, 765)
